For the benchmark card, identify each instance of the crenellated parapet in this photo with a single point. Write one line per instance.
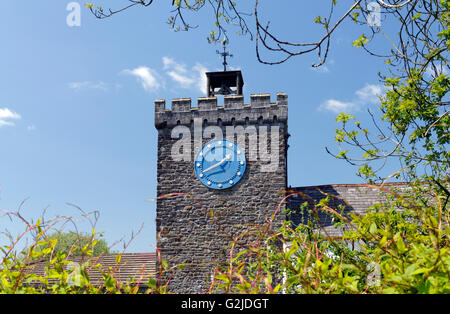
(233, 111)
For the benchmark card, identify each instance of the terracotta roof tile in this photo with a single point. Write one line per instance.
(131, 266)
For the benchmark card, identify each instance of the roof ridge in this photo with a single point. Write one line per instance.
(348, 185)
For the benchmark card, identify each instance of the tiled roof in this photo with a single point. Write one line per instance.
(132, 266)
(356, 198)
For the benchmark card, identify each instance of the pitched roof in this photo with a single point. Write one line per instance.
(130, 266)
(354, 198)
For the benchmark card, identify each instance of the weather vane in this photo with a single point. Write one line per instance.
(224, 54)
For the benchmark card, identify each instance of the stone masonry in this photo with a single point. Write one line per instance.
(195, 224)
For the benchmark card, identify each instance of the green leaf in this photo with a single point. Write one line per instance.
(344, 117)
(152, 283)
(373, 228)
(361, 41)
(399, 243)
(420, 271)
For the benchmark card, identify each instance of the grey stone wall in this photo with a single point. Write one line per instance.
(187, 232)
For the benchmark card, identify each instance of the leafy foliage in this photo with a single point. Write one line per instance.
(399, 246)
(414, 124)
(48, 264)
(77, 243)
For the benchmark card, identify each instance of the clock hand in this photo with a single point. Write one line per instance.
(227, 157)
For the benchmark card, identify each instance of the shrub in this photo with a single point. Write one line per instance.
(399, 246)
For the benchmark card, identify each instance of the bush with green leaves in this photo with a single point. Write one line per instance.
(399, 246)
(76, 243)
(46, 266)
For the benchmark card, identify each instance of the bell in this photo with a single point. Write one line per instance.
(226, 83)
(224, 90)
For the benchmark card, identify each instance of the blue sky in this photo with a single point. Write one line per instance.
(77, 103)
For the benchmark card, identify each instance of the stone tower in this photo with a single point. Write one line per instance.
(195, 222)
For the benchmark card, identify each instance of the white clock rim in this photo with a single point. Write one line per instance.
(205, 180)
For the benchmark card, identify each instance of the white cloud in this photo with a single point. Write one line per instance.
(201, 81)
(233, 68)
(368, 95)
(147, 77)
(31, 127)
(88, 85)
(170, 63)
(195, 78)
(179, 74)
(184, 81)
(337, 106)
(6, 116)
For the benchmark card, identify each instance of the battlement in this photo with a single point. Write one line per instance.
(234, 111)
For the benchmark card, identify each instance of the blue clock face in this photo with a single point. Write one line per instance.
(220, 164)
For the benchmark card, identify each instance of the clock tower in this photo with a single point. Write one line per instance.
(220, 171)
